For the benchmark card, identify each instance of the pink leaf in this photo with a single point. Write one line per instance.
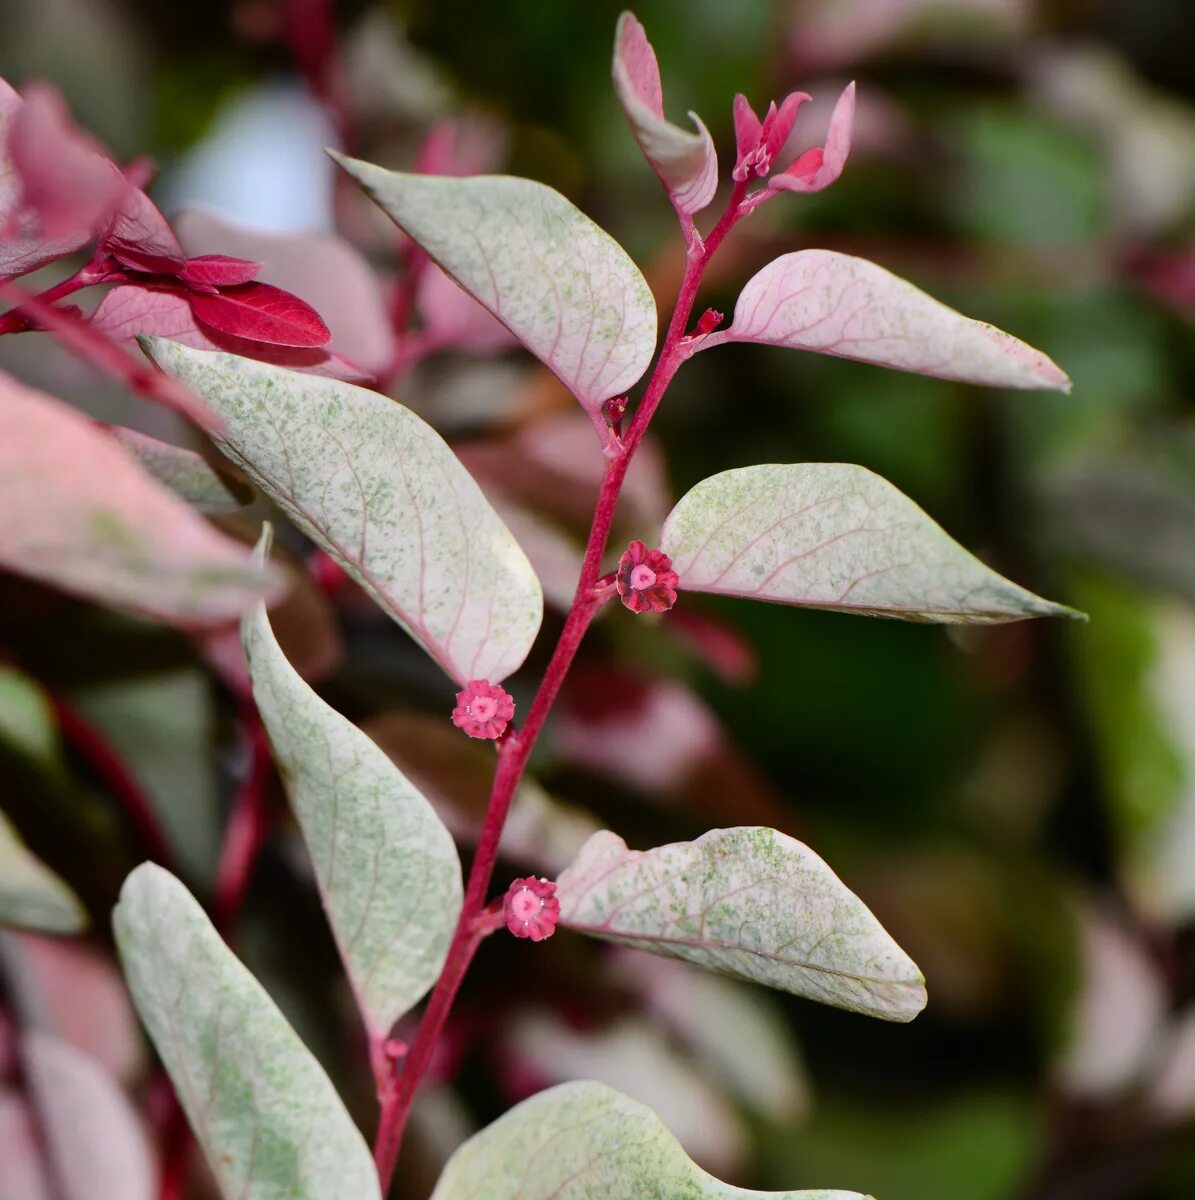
(453, 319)
(848, 307)
(326, 271)
(64, 178)
(686, 163)
(818, 168)
(261, 313)
(133, 309)
(141, 238)
(218, 270)
(76, 512)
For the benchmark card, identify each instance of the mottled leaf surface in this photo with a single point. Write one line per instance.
(834, 536)
(267, 1117)
(185, 473)
(558, 282)
(382, 493)
(585, 1141)
(387, 868)
(31, 895)
(750, 902)
(105, 529)
(848, 307)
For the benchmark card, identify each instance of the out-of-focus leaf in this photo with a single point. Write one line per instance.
(382, 493)
(559, 283)
(268, 1119)
(24, 1176)
(631, 1056)
(31, 895)
(585, 1141)
(94, 1137)
(834, 536)
(106, 530)
(388, 871)
(848, 307)
(1171, 1092)
(185, 473)
(749, 902)
(27, 723)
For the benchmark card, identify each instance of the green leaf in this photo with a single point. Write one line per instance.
(27, 723)
(565, 288)
(270, 1122)
(834, 536)
(750, 902)
(382, 493)
(31, 895)
(387, 868)
(185, 473)
(585, 1141)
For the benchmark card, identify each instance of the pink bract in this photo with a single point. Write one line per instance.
(483, 709)
(819, 167)
(645, 580)
(531, 908)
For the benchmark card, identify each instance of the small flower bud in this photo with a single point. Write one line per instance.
(646, 580)
(531, 908)
(710, 320)
(483, 709)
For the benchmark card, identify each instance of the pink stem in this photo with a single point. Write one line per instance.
(515, 748)
(18, 321)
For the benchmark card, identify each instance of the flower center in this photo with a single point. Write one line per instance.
(483, 707)
(642, 577)
(525, 905)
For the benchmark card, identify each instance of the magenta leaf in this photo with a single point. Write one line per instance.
(261, 313)
(838, 537)
(218, 270)
(160, 311)
(848, 307)
(558, 282)
(686, 163)
(818, 168)
(106, 530)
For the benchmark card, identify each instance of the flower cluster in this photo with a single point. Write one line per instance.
(531, 908)
(645, 579)
(483, 710)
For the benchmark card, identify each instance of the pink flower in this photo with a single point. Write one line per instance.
(760, 141)
(646, 580)
(531, 908)
(483, 709)
(819, 167)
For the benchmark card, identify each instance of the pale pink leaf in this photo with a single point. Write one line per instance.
(24, 1172)
(326, 271)
(750, 902)
(78, 513)
(452, 319)
(838, 537)
(817, 169)
(848, 307)
(559, 283)
(686, 163)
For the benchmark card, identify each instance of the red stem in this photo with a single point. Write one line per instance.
(515, 748)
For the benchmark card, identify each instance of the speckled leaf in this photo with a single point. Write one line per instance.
(387, 868)
(267, 1117)
(31, 895)
(558, 282)
(382, 493)
(834, 536)
(185, 473)
(750, 902)
(77, 512)
(585, 1141)
(848, 307)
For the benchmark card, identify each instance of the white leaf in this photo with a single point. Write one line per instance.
(834, 536)
(585, 1141)
(750, 902)
(558, 282)
(848, 307)
(382, 493)
(387, 868)
(267, 1117)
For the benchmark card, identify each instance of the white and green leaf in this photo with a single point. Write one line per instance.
(385, 496)
(750, 902)
(31, 895)
(562, 285)
(839, 537)
(585, 1141)
(387, 867)
(268, 1119)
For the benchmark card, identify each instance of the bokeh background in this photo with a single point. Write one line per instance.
(1016, 804)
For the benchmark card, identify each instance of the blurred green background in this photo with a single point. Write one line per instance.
(1016, 804)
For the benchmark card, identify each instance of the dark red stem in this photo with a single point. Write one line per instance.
(516, 747)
